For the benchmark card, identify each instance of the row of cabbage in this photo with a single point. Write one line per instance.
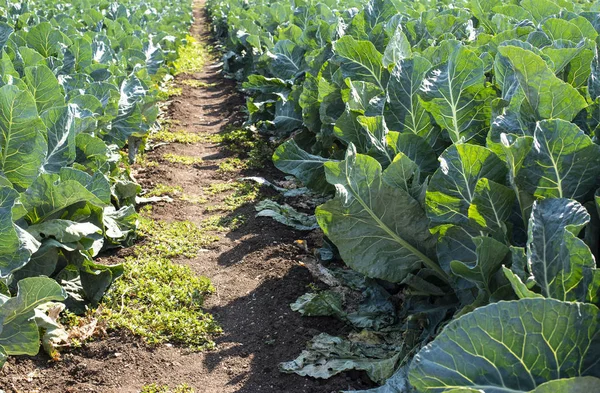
(78, 81)
(461, 140)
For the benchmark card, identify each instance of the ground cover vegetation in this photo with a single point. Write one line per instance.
(457, 142)
(79, 83)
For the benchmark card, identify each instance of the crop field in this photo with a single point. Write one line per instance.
(369, 196)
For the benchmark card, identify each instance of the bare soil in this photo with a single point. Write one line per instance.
(256, 269)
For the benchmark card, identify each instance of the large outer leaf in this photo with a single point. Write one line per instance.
(397, 49)
(570, 385)
(380, 231)
(290, 158)
(415, 148)
(561, 264)
(50, 194)
(360, 60)
(455, 94)
(563, 163)
(47, 40)
(16, 245)
(548, 96)
(287, 118)
(404, 110)
(61, 138)
(348, 129)
(5, 32)
(511, 347)
(490, 254)
(364, 98)
(287, 60)
(44, 87)
(18, 332)
(327, 356)
(129, 119)
(492, 204)
(22, 136)
(453, 186)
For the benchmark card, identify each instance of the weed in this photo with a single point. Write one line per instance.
(192, 56)
(154, 388)
(185, 160)
(243, 193)
(218, 188)
(164, 189)
(143, 161)
(172, 239)
(200, 200)
(197, 83)
(245, 143)
(233, 165)
(223, 223)
(157, 299)
(169, 90)
(162, 302)
(180, 136)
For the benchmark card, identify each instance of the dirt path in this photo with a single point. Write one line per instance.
(255, 270)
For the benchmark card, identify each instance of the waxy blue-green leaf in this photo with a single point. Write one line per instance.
(44, 87)
(376, 131)
(562, 57)
(287, 60)
(310, 104)
(364, 97)
(5, 32)
(579, 69)
(367, 212)
(562, 264)
(455, 95)
(548, 96)
(47, 40)
(594, 79)
(456, 244)
(490, 254)
(49, 194)
(452, 188)
(398, 49)
(518, 286)
(73, 235)
(401, 173)
(570, 385)
(492, 204)
(540, 9)
(511, 346)
(59, 122)
(378, 11)
(288, 117)
(129, 119)
(360, 60)
(514, 150)
(404, 111)
(18, 331)
(561, 29)
(22, 137)
(79, 55)
(265, 85)
(348, 129)
(97, 183)
(16, 245)
(562, 163)
(309, 168)
(415, 148)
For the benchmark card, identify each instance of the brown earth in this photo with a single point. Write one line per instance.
(256, 269)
